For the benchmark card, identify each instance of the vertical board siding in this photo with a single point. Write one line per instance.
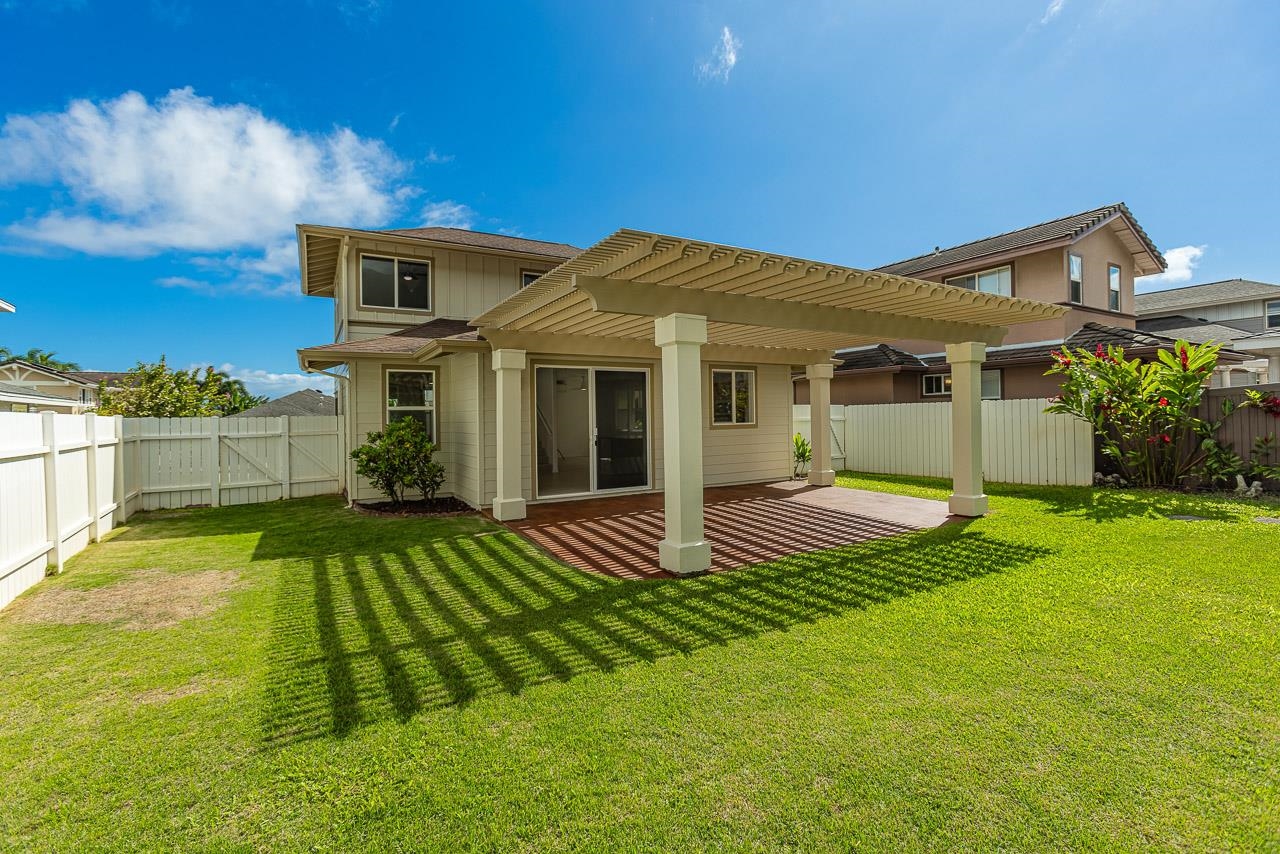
(1021, 443)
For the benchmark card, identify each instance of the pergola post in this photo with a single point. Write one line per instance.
(967, 498)
(508, 503)
(683, 550)
(820, 471)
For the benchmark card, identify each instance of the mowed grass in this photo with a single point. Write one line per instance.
(1074, 671)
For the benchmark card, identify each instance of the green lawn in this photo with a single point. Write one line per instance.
(1075, 671)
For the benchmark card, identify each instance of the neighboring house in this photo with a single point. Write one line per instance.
(643, 363)
(80, 387)
(1086, 263)
(1238, 313)
(17, 398)
(308, 401)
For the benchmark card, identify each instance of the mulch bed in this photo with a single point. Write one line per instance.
(434, 507)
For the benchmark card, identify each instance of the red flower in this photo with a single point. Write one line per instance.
(1164, 437)
(1099, 353)
(1164, 401)
(1182, 356)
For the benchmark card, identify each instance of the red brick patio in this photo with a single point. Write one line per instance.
(619, 535)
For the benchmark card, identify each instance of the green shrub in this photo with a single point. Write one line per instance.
(801, 454)
(400, 458)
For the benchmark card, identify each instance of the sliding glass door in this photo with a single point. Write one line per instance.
(591, 430)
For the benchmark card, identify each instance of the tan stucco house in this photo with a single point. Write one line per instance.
(643, 363)
(1086, 263)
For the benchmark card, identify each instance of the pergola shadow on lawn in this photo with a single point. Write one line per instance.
(408, 617)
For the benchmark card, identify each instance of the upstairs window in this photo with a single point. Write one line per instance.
(1075, 279)
(1113, 284)
(997, 281)
(733, 395)
(528, 277)
(1273, 314)
(395, 283)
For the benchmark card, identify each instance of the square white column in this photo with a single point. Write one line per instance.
(967, 498)
(508, 503)
(820, 471)
(683, 550)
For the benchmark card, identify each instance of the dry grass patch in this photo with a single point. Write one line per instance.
(149, 599)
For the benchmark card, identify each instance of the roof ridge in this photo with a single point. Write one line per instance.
(1111, 207)
(474, 231)
(1207, 284)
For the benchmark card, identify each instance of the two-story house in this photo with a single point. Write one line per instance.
(1237, 313)
(643, 363)
(1085, 263)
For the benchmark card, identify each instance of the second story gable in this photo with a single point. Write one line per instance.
(383, 281)
(1087, 262)
(1249, 306)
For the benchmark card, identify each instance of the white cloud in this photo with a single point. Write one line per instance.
(183, 173)
(724, 56)
(273, 384)
(1052, 10)
(395, 121)
(1182, 261)
(448, 214)
(434, 157)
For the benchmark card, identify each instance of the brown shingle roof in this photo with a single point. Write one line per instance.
(406, 341)
(485, 240)
(113, 379)
(1067, 227)
(308, 401)
(1190, 329)
(1211, 293)
(877, 356)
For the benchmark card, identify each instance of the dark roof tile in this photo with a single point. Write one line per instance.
(485, 240)
(308, 401)
(1210, 293)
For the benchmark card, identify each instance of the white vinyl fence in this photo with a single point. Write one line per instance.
(1021, 443)
(66, 480)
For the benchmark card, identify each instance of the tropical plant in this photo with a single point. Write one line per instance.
(236, 398)
(36, 356)
(398, 459)
(801, 454)
(155, 391)
(1145, 413)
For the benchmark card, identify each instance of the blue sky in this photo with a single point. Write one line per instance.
(155, 157)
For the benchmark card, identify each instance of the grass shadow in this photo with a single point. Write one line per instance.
(409, 618)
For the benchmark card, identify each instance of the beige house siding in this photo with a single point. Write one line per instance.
(45, 384)
(464, 284)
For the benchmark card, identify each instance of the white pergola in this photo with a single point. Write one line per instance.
(694, 301)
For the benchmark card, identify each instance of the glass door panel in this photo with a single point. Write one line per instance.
(562, 421)
(621, 429)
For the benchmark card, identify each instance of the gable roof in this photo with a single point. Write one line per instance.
(1055, 232)
(113, 379)
(1210, 293)
(877, 356)
(308, 401)
(1191, 329)
(21, 394)
(486, 240)
(69, 376)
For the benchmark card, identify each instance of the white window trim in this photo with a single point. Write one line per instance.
(435, 389)
(1070, 280)
(979, 273)
(946, 390)
(537, 274)
(733, 382)
(1272, 310)
(1118, 287)
(395, 291)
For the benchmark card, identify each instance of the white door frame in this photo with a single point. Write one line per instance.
(592, 489)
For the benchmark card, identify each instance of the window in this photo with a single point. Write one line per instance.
(733, 395)
(997, 281)
(1075, 278)
(1273, 314)
(1113, 282)
(940, 384)
(412, 394)
(528, 277)
(395, 283)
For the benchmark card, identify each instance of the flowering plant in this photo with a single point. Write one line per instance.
(1145, 413)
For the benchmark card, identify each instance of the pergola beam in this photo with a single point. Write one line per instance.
(624, 296)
